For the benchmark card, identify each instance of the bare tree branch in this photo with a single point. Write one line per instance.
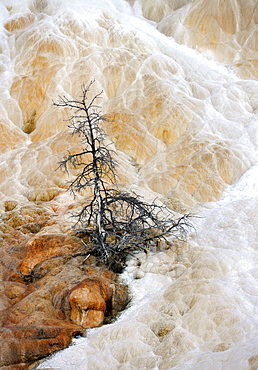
(118, 223)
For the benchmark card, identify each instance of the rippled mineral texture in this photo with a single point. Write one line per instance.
(47, 294)
(183, 129)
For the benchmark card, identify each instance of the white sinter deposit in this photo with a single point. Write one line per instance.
(185, 130)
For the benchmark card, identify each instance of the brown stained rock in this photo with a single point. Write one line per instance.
(21, 346)
(119, 298)
(253, 362)
(20, 216)
(43, 247)
(9, 205)
(48, 292)
(94, 301)
(42, 279)
(89, 300)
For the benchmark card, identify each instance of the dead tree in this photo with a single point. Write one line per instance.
(118, 223)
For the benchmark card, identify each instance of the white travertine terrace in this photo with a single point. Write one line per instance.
(185, 131)
(224, 30)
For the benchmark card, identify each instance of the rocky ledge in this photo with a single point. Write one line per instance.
(49, 292)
